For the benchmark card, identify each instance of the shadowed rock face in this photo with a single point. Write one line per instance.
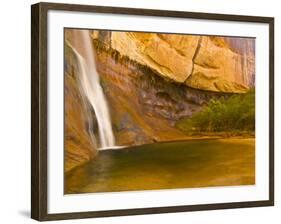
(77, 141)
(221, 64)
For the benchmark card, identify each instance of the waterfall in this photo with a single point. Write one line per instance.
(93, 92)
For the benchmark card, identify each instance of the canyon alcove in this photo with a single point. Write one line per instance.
(148, 111)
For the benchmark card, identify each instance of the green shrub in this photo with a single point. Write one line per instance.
(234, 113)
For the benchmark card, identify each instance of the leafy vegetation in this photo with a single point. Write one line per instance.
(236, 113)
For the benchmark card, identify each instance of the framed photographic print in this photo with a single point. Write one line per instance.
(139, 111)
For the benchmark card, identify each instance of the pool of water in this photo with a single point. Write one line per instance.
(185, 164)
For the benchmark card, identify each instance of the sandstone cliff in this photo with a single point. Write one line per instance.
(220, 64)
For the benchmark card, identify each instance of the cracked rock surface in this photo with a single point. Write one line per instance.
(219, 64)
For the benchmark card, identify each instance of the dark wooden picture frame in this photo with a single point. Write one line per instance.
(39, 108)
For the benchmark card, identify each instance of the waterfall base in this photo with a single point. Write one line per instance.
(113, 147)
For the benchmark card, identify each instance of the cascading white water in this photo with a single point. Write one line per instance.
(92, 90)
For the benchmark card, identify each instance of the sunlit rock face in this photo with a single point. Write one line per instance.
(220, 64)
(170, 57)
